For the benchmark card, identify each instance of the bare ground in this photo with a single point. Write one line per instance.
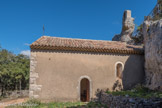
(5, 103)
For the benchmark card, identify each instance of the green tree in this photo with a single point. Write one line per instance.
(14, 71)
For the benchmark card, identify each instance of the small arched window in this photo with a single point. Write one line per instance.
(119, 70)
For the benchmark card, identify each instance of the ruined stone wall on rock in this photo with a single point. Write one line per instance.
(152, 32)
(129, 34)
(127, 28)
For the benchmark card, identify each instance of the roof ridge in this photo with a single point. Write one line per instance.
(84, 39)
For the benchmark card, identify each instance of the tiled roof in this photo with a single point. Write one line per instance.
(56, 43)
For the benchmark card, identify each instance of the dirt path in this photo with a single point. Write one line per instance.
(3, 104)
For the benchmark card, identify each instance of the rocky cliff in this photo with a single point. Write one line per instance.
(152, 32)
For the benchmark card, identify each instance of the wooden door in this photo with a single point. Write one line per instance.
(85, 90)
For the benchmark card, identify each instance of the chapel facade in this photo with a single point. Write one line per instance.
(66, 69)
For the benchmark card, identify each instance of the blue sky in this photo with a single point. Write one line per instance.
(21, 21)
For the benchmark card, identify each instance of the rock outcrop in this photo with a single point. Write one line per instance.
(152, 32)
(127, 28)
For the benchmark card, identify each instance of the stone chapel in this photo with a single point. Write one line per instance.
(66, 69)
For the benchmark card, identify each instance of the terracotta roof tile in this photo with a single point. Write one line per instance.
(53, 43)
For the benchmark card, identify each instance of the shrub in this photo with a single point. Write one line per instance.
(138, 91)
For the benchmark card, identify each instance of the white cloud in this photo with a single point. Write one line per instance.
(26, 44)
(25, 52)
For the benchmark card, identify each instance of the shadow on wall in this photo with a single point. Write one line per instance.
(132, 74)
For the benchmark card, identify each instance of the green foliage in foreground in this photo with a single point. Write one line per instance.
(14, 71)
(38, 104)
(138, 91)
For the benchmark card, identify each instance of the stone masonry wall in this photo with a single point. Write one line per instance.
(34, 88)
(127, 102)
(16, 94)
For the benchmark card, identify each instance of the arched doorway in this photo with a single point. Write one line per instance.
(84, 90)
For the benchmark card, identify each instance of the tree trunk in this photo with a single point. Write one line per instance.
(20, 85)
(2, 91)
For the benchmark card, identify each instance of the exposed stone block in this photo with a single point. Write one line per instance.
(36, 96)
(35, 87)
(30, 93)
(34, 75)
(32, 80)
